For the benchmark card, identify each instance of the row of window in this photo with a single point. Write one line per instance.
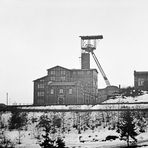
(58, 78)
(41, 85)
(41, 94)
(62, 72)
(52, 91)
(61, 91)
(81, 72)
(42, 80)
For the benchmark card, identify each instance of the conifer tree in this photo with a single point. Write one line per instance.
(45, 122)
(127, 127)
(48, 126)
(47, 141)
(60, 143)
(17, 121)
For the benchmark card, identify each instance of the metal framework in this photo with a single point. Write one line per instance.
(88, 44)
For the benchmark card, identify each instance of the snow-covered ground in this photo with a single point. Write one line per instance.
(119, 99)
(89, 138)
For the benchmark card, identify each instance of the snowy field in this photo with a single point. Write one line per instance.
(78, 130)
(100, 125)
(91, 139)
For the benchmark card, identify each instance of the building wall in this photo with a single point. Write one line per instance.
(60, 97)
(59, 74)
(39, 91)
(88, 80)
(83, 84)
(141, 80)
(106, 93)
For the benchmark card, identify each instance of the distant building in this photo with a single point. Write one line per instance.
(107, 93)
(141, 80)
(66, 86)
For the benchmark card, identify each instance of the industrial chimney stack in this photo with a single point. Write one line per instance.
(85, 60)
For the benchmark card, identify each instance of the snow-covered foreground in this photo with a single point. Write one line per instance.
(93, 136)
(90, 139)
(81, 129)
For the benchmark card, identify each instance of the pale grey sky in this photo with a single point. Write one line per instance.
(36, 35)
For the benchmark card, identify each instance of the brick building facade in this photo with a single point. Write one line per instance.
(66, 86)
(141, 80)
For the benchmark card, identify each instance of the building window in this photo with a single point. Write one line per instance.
(62, 78)
(40, 85)
(40, 94)
(62, 72)
(52, 72)
(52, 91)
(61, 91)
(52, 78)
(140, 82)
(60, 100)
(70, 91)
(42, 80)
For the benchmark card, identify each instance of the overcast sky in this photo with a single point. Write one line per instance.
(36, 35)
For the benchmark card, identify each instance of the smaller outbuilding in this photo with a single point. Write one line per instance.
(107, 93)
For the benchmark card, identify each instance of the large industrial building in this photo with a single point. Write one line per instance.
(141, 80)
(66, 86)
(73, 86)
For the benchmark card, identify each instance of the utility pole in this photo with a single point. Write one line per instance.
(6, 98)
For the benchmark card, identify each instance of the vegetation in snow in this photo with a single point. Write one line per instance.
(127, 126)
(52, 128)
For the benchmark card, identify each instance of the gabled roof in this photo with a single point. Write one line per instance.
(58, 67)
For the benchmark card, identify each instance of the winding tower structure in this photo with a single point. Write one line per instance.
(88, 45)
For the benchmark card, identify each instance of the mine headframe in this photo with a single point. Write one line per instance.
(88, 45)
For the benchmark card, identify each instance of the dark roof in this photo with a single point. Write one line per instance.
(140, 72)
(91, 37)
